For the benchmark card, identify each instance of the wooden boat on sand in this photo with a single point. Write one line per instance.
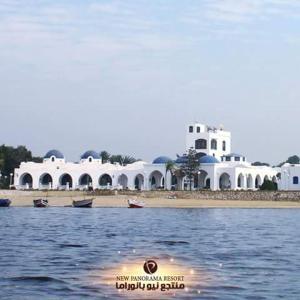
(40, 203)
(5, 202)
(135, 204)
(86, 203)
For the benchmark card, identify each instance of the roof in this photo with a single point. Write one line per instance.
(162, 160)
(208, 159)
(90, 153)
(181, 159)
(55, 153)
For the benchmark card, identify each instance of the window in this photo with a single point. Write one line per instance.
(201, 144)
(198, 129)
(213, 144)
(237, 158)
(224, 146)
(228, 158)
(191, 129)
(90, 159)
(295, 180)
(52, 158)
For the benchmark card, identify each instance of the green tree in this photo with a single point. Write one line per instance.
(258, 163)
(191, 165)
(105, 156)
(10, 158)
(293, 160)
(269, 185)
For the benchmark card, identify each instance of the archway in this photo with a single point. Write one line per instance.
(123, 181)
(105, 180)
(139, 182)
(207, 183)
(26, 180)
(224, 181)
(258, 182)
(266, 178)
(202, 180)
(85, 180)
(46, 180)
(66, 181)
(200, 154)
(249, 182)
(240, 181)
(156, 180)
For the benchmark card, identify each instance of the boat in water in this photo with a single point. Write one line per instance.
(5, 202)
(83, 203)
(135, 204)
(40, 203)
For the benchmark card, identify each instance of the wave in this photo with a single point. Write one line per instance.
(36, 278)
(172, 243)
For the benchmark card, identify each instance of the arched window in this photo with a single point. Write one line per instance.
(90, 159)
(200, 144)
(213, 144)
(224, 146)
(295, 180)
(52, 158)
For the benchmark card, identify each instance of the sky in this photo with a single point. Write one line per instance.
(127, 76)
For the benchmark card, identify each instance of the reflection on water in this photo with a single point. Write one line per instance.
(61, 253)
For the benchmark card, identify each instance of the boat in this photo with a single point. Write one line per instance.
(135, 204)
(83, 203)
(5, 202)
(40, 203)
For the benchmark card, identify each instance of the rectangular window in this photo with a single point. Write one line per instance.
(228, 158)
(237, 158)
(198, 129)
(295, 180)
(191, 129)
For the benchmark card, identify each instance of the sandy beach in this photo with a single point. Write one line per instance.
(61, 199)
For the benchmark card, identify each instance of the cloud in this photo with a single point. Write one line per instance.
(241, 11)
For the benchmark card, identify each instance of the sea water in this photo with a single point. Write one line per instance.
(62, 253)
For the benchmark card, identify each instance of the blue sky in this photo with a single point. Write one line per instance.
(127, 76)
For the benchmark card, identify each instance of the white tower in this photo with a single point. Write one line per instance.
(208, 140)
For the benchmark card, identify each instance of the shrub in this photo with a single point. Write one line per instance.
(269, 185)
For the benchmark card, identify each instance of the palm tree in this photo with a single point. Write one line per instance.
(170, 166)
(123, 160)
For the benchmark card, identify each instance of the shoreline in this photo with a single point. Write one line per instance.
(150, 202)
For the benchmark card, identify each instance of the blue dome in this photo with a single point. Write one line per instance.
(90, 153)
(162, 160)
(181, 159)
(55, 153)
(208, 159)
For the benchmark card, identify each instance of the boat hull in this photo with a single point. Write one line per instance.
(5, 202)
(87, 203)
(135, 204)
(40, 203)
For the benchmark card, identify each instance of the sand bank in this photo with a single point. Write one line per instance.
(24, 199)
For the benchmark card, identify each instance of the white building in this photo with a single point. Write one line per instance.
(219, 169)
(290, 175)
(208, 140)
